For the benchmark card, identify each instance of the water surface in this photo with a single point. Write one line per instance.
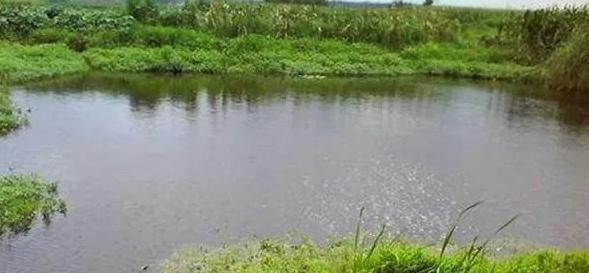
(150, 164)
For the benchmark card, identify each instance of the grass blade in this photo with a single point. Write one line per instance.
(375, 243)
(358, 227)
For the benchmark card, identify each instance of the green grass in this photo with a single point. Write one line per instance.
(23, 198)
(19, 63)
(391, 255)
(374, 253)
(258, 54)
(10, 117)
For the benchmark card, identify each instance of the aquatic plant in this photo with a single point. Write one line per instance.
(10, 117)
(23, 198)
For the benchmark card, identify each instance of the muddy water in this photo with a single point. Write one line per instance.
(150, 164)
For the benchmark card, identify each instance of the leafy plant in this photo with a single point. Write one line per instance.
(22, 198)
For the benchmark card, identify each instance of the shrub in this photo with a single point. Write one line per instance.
(143, 10)
(78, 42)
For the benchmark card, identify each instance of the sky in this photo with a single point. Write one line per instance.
(503, 3)
(513, 3)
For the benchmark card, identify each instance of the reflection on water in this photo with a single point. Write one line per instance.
(153, 163)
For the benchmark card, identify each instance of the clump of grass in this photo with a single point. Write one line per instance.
(22, 198)
(10, 116)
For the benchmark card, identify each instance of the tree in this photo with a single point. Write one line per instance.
(428, 3)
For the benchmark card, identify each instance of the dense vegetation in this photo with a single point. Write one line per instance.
(218, 37)
(22, 198)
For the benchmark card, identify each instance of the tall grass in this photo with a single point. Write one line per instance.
(387, 27)
(393, 28)
(568, 67)
(535, 34)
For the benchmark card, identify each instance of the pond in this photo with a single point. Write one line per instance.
(153, 163)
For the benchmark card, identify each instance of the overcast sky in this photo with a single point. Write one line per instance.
(504, 3)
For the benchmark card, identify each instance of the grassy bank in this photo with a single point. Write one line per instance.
(43, 40)
(376, 253)
(20, 63)
(386, 256)
(10, 117)
(23, 198)
(215, 37)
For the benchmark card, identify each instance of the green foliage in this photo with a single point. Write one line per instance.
(568, 68)
(258, 54)
(164, 59)
(300, 2)
(536, 34)
(393, 28)
(10, 117)
(19, 20)
(142, 10)
(340, 256)
(22, 63)
(78, 42)
(450, 51)
(22, 198)
(221, 37)
(49, 36)
(155, 36)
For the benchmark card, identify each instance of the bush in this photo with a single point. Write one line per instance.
(78, 42)
(143, 10)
